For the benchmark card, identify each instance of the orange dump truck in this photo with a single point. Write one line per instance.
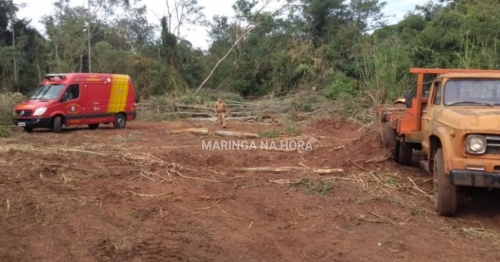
(457, 129)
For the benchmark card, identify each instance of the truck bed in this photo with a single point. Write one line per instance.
(389, 113)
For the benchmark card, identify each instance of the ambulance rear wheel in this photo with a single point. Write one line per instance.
(57, 124)
(93, 126)
(120, 121)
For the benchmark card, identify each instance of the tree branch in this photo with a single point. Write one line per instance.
(224, 57)
(233, 46)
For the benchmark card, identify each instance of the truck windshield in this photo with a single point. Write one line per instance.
(47, 92)
(477, 91)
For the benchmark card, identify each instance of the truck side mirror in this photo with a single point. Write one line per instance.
(408, 98)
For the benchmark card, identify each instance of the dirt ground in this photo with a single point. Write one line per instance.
(144, 194)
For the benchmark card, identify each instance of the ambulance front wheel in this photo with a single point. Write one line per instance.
(120, 121)
(57, 124)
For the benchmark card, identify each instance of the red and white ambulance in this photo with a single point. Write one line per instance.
(75, 99)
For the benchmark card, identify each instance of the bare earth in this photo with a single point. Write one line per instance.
(142, 194)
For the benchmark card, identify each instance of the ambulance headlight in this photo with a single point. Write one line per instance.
(475, 144)
(40, 111)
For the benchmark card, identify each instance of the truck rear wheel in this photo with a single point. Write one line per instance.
(388, 136)
(57, 124)
(120, 121)
(445, 193)
(404, 152)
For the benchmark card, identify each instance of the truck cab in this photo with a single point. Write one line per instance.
(461, 134)
(457, 129)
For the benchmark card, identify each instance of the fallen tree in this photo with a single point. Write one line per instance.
(235, 119)
(192, 114)
(194, 107)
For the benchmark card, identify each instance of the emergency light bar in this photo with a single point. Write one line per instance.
(55, 76)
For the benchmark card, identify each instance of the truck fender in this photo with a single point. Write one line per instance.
(447, 145)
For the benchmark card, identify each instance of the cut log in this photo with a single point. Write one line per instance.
(236, 134)
(203, 119)
(268, 169)
(327, 171)
(205, 131)
(196, 131)
(191, 114)
(293, 168)
(235, 119)
(243, 119)
(236, 114)
(377, 159)
(195, 107)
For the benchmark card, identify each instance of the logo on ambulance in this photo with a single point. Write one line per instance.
(72, 109)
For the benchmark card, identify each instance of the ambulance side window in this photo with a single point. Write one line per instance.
(73, 92)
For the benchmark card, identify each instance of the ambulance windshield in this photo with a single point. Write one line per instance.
(47, 92)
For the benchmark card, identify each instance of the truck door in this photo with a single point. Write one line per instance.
(71, 105)
(428, 114)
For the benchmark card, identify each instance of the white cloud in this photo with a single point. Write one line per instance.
(198, 36)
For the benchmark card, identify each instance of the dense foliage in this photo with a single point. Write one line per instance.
(325, 46)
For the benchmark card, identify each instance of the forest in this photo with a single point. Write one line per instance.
(334, 49)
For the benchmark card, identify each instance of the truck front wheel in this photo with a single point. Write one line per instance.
(445, 193)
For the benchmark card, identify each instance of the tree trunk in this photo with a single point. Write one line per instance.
(15, 59)
(88, 36)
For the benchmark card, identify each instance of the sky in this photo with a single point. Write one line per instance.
(198, 36)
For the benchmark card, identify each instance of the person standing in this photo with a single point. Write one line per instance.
(220, 110)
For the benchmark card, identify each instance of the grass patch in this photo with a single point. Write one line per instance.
(321, 188)
(270, 134)
(4, 131)
(291, 130)
(7, 103)
(132, 137)
(415, 211)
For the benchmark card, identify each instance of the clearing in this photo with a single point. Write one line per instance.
(144, 194)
